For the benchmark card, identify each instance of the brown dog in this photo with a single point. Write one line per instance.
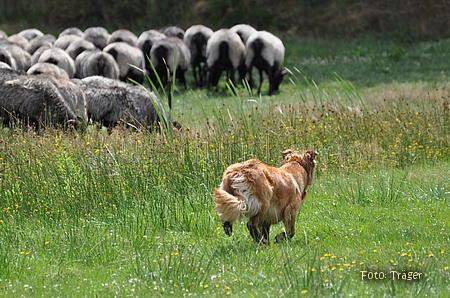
(265, 194)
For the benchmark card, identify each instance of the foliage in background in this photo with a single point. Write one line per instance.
(409, 20)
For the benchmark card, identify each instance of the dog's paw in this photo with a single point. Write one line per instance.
(282, 237)
(228, 228)
(264, 241)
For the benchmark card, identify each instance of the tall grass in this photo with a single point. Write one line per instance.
(130, 213)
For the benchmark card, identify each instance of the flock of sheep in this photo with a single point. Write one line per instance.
(86, 75)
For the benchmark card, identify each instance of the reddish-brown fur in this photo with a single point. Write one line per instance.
(267, 195)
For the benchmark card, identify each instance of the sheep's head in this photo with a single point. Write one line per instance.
(277, 79)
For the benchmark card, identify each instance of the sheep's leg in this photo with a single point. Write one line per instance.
(208, 81)
(270, 75)
(194, 70)
(184, 81)
(250, 77)
(214, 75)
(260, 80)
(242, 70)
(231, 77)
(182, 78)
(203, 74)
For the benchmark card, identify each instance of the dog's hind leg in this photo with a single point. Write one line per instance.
(253, 229)
(228, 227)
(257, 235)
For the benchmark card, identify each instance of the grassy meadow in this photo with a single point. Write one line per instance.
(130, 214)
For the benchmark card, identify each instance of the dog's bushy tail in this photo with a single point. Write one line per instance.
(230, 208)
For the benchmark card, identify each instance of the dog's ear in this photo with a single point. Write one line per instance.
(286, 155)
(310, 164)
(309, 157)
(312, 153)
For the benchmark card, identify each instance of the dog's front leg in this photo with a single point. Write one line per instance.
(265, 229)
(289, 223)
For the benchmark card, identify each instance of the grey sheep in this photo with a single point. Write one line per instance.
(59, 57)
(30, 33)
(3, 35)
(18, 40)
(173, 31)
(145, 43)
(78, 46)
(64, 41)
(40, 99)
(71, 31)
(97, 35)
(225, 51)
(7, 58)
(37, 54)
(163, 56)
(123, 35)
(4, 65)
(130, 60)
(243, 30)
(196, 37)
(40, 41)
(96, 63)
(265, 51)
(19, 58)
(80, 62)
(111, 102)
(48, 68)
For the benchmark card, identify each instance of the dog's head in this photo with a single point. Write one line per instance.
(306, 159)
(309, 163)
